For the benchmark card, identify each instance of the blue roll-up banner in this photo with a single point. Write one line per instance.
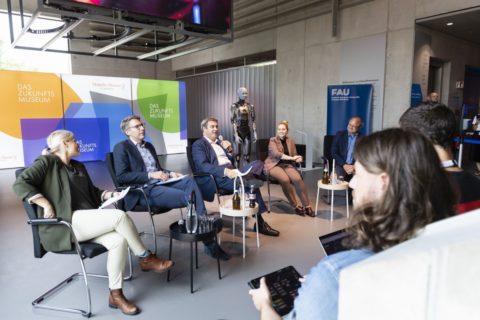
(346, 101)
(416, 95)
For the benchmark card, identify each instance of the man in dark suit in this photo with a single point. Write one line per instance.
(136, 163)
(215, 157)
(343, 146)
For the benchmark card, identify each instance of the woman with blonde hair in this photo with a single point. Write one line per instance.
(61, 187)
(280, 164)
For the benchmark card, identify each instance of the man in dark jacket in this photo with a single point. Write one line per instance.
(215, 157)
(343, 146)
(136, 163)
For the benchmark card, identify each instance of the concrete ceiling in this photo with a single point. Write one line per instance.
(466, 24)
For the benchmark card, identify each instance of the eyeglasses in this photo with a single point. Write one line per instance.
(138, 126)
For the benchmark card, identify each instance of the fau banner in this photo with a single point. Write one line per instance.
(416, 95)
(346, 101)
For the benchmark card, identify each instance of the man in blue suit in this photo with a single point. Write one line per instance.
(215, 157)
(343, 146)
(136, 163)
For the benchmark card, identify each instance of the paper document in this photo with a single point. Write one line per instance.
(160, 182)
(115, 199)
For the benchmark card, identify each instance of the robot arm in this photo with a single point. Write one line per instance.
(254, 126)
(233, 120)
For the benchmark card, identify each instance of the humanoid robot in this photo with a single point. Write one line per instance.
(242, 113)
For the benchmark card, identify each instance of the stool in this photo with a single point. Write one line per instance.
(178, 233)
(332, 187)
(226, 209)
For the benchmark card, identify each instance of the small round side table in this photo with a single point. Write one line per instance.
(332, 187)
(179, 233)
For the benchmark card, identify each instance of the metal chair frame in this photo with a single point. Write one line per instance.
(135, 188)
(78, 249)
(37, 303)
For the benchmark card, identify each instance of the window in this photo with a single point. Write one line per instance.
(32, 60)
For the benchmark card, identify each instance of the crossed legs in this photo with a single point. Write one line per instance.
(291, 181)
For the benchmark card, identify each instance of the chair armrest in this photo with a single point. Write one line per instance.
(202, 174)
(38, 222)
(132, 187)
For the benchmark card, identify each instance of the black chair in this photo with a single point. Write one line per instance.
(152, 211)
(218, 191)
(262, 154)
(83, 250)
(327, 148)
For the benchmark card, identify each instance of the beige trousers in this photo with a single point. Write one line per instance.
(114, 230)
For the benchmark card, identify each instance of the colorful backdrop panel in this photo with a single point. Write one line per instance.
(35, 104)
(26, 96)
(162, 105)
(104, 98)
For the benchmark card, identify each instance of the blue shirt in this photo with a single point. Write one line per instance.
(318, 296)
(351, 143)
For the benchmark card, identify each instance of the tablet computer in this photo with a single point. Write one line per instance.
(283, 285)
(333, 242)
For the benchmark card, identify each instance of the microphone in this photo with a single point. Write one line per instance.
(220, 138)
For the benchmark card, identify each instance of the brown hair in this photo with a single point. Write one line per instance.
(126, 121)
(417, 194)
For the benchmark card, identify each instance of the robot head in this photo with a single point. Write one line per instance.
(242, 93)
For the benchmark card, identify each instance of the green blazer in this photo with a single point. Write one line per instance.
(48, 177)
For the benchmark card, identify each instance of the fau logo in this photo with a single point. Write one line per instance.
(340, 92)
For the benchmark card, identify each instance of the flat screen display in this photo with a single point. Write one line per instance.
(213, 15)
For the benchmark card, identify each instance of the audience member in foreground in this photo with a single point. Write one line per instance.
(398, 188)
(280, 164)
(438, 123)
(62, 188)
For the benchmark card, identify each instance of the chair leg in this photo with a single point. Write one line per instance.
(37, 303)
(269, 200)
(191, 267)
(243, 218)
(218, 262)
(153, 234)
(169, 258)
(256, 229)
(219, 236)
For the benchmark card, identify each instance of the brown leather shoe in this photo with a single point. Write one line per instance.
(309, 211)
(153, 263)
(117, 300)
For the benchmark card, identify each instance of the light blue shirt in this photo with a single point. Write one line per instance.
(351, 143)
(147, 157)
(318, 296)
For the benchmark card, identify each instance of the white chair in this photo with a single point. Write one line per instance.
(434, 276)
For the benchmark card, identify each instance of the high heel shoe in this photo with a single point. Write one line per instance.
(300, 211)
(309, 211)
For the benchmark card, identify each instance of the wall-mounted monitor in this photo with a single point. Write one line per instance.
(197, 15)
